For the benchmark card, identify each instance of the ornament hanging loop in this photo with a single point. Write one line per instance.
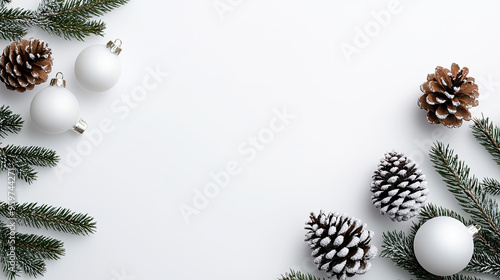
(80, 126)
(58, 81)
(115, 47)
(474, 230)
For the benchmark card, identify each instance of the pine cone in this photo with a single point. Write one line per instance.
(448, 96)
(25, 64)
(340, 244)
(399, 187)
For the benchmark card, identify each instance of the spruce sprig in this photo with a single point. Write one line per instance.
(20, 158)
(492, 186)
(488, 136)
(49, 217)
(466, 188)
(9, 122)
(474, 197)
(295, 275)
(31, 250)
(70, 19)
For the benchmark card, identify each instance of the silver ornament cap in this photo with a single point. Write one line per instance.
(115, 47)
(80, 126)
(58, 81)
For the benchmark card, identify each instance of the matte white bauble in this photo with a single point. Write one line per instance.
(55, 109)
(444, 246)
(98, 68)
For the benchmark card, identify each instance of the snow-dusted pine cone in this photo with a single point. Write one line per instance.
(399, 187)
(340, 244)
(25, 64)
(448, 96)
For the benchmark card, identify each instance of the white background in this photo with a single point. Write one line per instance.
(228, 73)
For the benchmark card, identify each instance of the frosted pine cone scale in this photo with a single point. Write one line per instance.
(340, 244)
(399, 187)
(448, 96)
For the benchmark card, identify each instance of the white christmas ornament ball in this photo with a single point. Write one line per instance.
(54, 110)
(444, 246)
(97, 68)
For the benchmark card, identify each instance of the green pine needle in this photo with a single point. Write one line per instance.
(488, 136)
(466, 188)
(9, 122)
(49, 217)
(70, 19)
(295, 275)
(30, 250)
(22, 160)
(492, 186)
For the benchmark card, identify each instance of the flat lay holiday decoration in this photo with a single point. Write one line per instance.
(340, 244)
(399, 187)
(448, 96)
(97, 67)
(444, 246)
(477, 201)
(70, 19)
(30, 251)
(55, 109)
(24, 64)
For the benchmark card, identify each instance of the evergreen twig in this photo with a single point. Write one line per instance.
(466, 189)
(492, 186)
(9, 122)
(23, 160)
(71, 19)
(488, 136)
(31, 251)
(295, 275)
(49, 217)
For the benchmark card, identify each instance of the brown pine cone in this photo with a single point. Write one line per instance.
(25, 64)
(448, 96)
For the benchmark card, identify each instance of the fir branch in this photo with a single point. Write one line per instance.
(490, 185)
(488, 136)
(72, 29)
(30, 251)
(37, 156)
(398, 247)
(430, 211)
(9, 122)
(87, 8)
(71, 19)
(485, 263)
(22, 159)
(466, 189)
(38, 246)
(461, 277)
(49, 217)
(295, 275)
(66, 18)
(14, 22)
